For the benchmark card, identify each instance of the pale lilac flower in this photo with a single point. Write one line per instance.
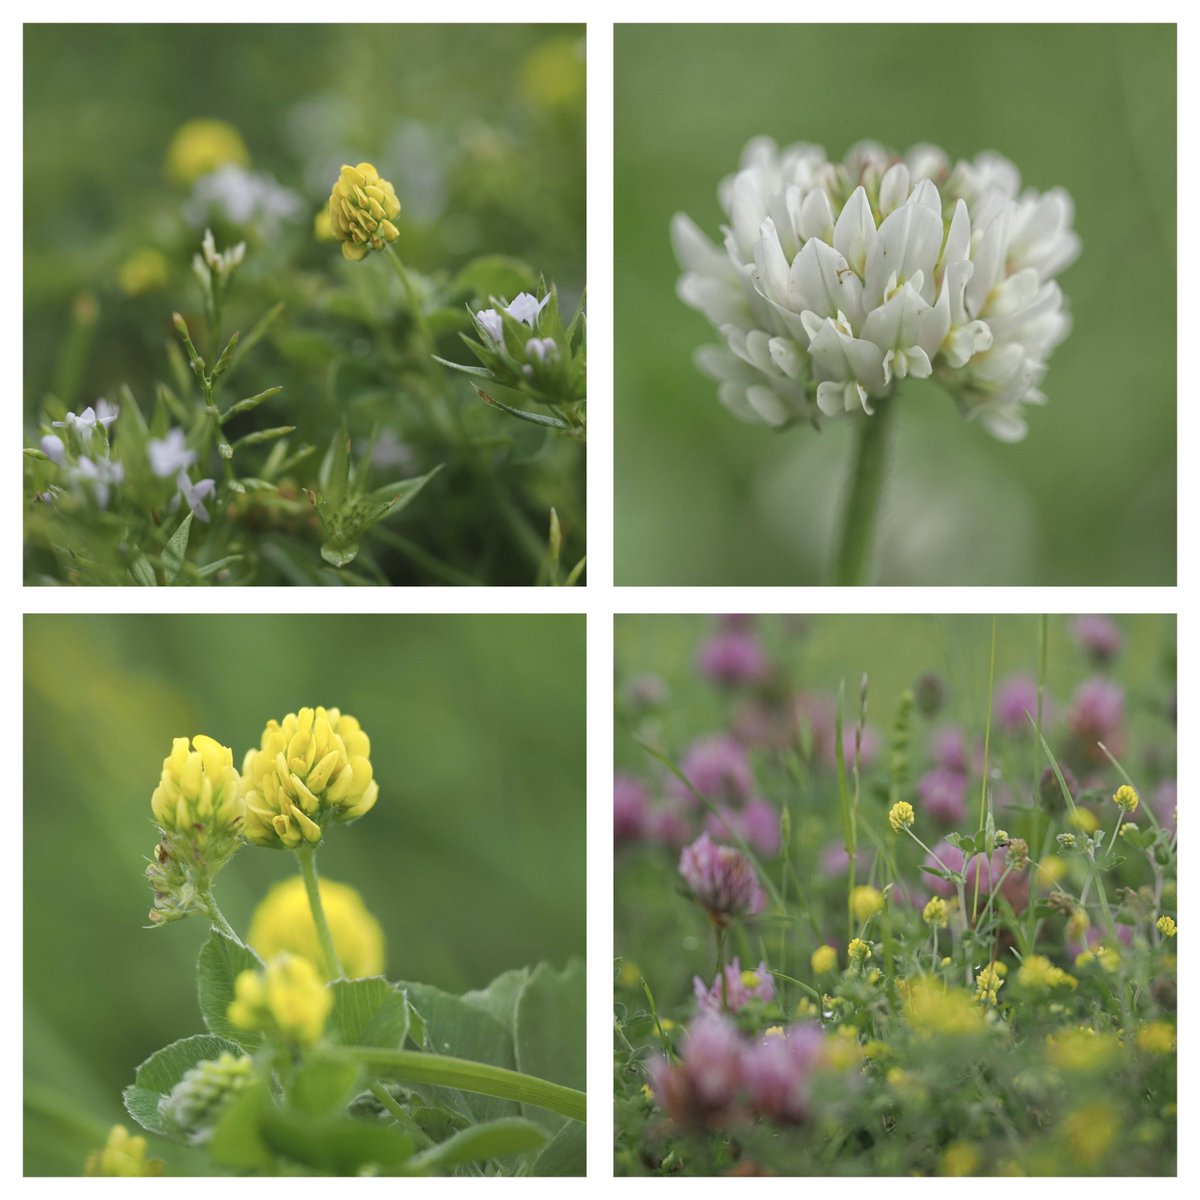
(741, 988)
(757, 824)
(1099, 636)
(1015, 696)
(703, 1085)
(169, 455)
(492, 324)
(734, 658)
(630, 801)
(777, 1071)
(821, 713)
(104, 414)
(540, 348)
(949, 748)
(194, 494)
(99, 476)
(835, 861)
(1097, 714)
(942, 794)
(721, 879)
(717, 767)
(837, 280)
(53, 448)
(1164, 801)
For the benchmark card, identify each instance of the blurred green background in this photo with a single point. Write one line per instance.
(479, 127)
(1089, 497)
(473, 859)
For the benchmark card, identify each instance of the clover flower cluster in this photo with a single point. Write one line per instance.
(722, 880)
(362, 211)
(196, 1102)
(838, 280)
(720, 1074)
(287, 999)
(737, 989)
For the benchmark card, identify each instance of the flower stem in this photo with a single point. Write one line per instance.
(416, 1066)
(852, 566)
(308, 869)
(216, 916)
(410, 294)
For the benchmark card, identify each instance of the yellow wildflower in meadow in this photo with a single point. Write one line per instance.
(311, 768)
(958, 1159)
(1081, 1050)
(934, 1009)
(989, 981)
(1156, 1037)
(1166, 927)
(198, 793)
(199, 147)
(362, 210)
(1089, 1132)
(122, 1155)
(901, 816)
(823, 960)
(865, 902)
(858, 950)
(1038, 973)
(936, 913)
(288, 998)
(1125, 798)
(284, 922)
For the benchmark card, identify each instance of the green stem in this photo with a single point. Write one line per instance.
(216, 916)
(308, 869)
(416, 1066)
(410, 294)
(862, 503)
(403, 1119)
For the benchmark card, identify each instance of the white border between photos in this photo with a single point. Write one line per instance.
(600, 600)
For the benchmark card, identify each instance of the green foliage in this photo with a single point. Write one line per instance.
(155, 1078)
(222, 960)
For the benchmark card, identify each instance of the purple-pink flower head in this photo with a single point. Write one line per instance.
(722, 880)
(702, 1086)
(630, 808)
(1097, 714)
(741, 988)
(1015, 696)
(942, 794)
(1099, 636)
(835, 861)
(717, 767)
(734, 658)
(646, 693)
(777, 1072)
(757, 824)
(949, 748)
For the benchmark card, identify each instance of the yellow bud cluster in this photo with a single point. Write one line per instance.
(283, 923)
(310, 768)
(934, 1009)
(989, 981)
(1038, 973)
(865, 902)
(1125, 798)
(858, 950)
(1166, 927)
(901, 816)
(362, 209)
(289, 999)
(199, 792)
(823, 960)
(936, 913)
(123, 1156)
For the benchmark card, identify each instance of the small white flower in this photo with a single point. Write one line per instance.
(836, 280)
(242, 197)
(492, 324)
(194, 495)
(98, 475)
(169, 455)
(540, 348)
(217, 262)
(53, 448)
(85, 422)
(527, 308)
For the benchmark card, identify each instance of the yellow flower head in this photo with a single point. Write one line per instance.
(199, 791)
(901, 816)
(1084, 819)
(202, 146)
(122, 1155)
(1081, 1050)
(936, 913)
(310, 769)
(989, 981)
(958, 1159)
(858, 950)
(865, 901)
(1156, 1037)
(283, 922)
(1166, 927)
(1089, 1132)
(1106, 956)
(143, 271)
(1125, 798)
(824, 958)
(362, 209)
(1038, 973)
(289, 999)
(1078, 924)
(936, 1010)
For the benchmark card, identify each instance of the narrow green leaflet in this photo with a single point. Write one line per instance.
(492, 1139)
(175, 551)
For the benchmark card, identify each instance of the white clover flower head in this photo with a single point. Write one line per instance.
(169, 455)
(193, 494)
(837, 280)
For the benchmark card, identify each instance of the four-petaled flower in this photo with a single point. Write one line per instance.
(169, 455)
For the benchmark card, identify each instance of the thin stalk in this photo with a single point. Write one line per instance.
(216, 916)
(410, 294)
(403, 1119)
(720, 931)
(308, 869)
(852, 565)
(416, 1066)
(987, 745)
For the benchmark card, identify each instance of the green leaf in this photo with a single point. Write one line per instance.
(500, 998)
(159, 1074)
(493, 1139)
(565, 1153)
(494, 275)
(368, 1012)
(175, 551)
(222, 960)
(338, 1147)
(521, 414)
(549, 1033)
(465, 368)
(142, 572)
(335, 470)
(324, 1083)
(237, 1140)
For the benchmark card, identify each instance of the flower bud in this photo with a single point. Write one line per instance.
(310, 769)
(287, 999)
(930, 694)
(362, 209)
(901, 816)
(122, 1155)
(196, 1101)
(1126, 798)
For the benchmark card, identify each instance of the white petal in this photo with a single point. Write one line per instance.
(908, 241)
(854, 232)
(821, 281)
(894, 188)
(816, 216)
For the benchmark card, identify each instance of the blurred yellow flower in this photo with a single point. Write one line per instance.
(1038, 973)
(122, 1155)
(1082, 1049)
(362, 209)
(959, 1158)
(1089, 1132)
(865, 902)
(934, 1009)
(310, 769)
(552, 75)
(1051, 869)
(1084, 819)
(143, 271)
(824, 958)
(201, 146)
(1156, 1037)
(283, 922)
(936, 913)
(289, 998)
(1106, 956)
(323, 226)
(858, 950)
